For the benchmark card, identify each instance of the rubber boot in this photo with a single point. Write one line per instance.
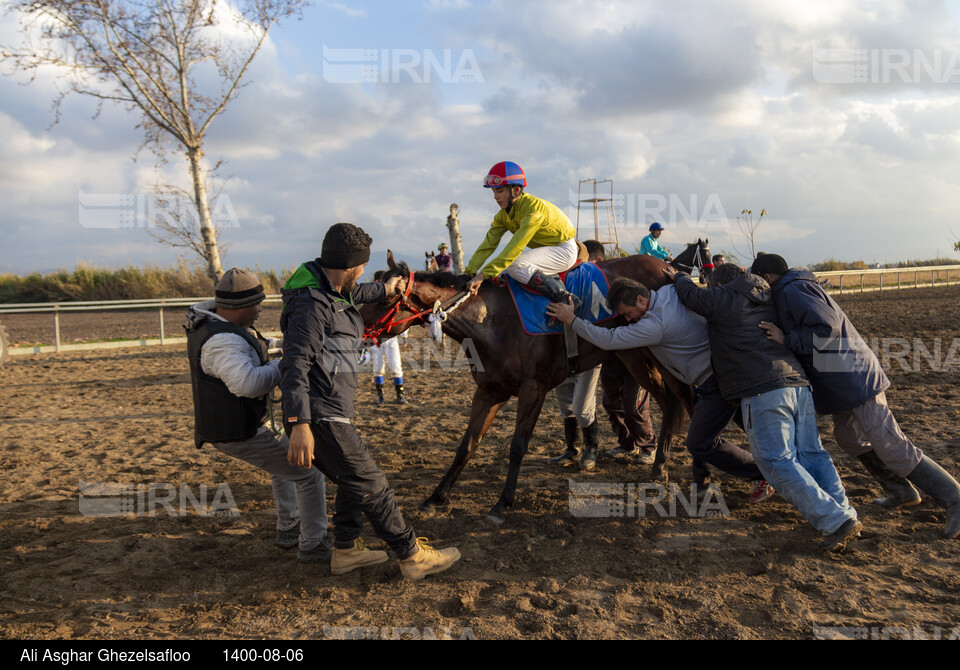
(380, 399)
(571, 431)
(900, 492)
(591, 435)
(400, 399)
(942, 487)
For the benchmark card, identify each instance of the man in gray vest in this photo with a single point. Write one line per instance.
(231, 377)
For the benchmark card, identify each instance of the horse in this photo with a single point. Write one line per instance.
(517, 364)
(430, 264)
(696, 255)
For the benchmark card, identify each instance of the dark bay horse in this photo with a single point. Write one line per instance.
(696, 255)
(525, 366)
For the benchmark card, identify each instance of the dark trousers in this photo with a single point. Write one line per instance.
(362, 489)
(628, 407)
(711, 415)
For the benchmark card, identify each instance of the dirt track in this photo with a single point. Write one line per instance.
(126, 417)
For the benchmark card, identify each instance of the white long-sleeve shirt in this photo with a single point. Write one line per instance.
(676, 337)
(231, 359)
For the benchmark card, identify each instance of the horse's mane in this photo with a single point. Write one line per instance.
(439, 279)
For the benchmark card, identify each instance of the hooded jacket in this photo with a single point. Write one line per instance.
(745, 360)
(844, 373)
(322, 334)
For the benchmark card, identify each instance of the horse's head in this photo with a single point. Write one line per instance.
(419, 292)
(696, 255)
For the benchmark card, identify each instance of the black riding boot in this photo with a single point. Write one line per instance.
(553, 288)
(591, 444)
(942, 487)
(400, 399)
(571, 431)
(380, 399)
(899, 491)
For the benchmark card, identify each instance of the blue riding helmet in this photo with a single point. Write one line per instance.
(655, 226)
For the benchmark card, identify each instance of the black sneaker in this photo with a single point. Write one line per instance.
(322, 553)
(288, 539)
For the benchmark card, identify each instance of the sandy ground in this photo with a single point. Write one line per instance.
(125, 417)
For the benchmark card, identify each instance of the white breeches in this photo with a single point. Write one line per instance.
(549, 260)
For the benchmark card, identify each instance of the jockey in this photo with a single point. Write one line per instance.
(443, 259)
(542, 245)
(651, 244)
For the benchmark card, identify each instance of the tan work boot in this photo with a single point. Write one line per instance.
(357, 556)
(427, 560)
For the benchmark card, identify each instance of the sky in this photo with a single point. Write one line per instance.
(840, 119)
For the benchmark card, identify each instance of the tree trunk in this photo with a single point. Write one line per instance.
(456, 244)
(211, 252)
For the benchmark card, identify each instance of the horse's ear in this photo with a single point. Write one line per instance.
(392, 264)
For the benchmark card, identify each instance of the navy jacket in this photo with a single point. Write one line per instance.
(745, 360)
(842, 370)
(322, 334)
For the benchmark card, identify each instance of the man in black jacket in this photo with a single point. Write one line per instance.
(768, 382)
(322, 331)
(849, 383)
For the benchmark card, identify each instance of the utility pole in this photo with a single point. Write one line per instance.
(456, 244)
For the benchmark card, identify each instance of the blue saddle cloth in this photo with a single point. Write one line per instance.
(586, 281)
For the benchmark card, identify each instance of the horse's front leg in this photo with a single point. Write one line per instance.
(529, 404)
(482, 412)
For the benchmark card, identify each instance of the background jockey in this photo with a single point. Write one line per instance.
(443, 259)
(542, 245)
(651, 244)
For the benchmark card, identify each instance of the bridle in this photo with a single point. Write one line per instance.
(694, 261)
(389, 319)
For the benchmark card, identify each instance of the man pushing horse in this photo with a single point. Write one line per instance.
(323, 331)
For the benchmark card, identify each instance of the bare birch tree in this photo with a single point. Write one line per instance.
(749, 226)
(177, 63)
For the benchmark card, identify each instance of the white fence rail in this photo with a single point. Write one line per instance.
(57, 309)
(864, 281)
(874, 279)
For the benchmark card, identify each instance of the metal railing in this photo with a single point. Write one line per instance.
(59, 308)
(876, 278)
(920, 275)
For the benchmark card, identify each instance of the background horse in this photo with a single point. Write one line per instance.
(521, 365)
(696, 255)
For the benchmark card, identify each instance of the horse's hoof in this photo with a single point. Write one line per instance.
(658, 473)
(495, 516)
(427, 509)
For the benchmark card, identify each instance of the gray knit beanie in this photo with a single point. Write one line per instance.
(239, 289)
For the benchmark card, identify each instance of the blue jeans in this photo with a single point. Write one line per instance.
(782, 428)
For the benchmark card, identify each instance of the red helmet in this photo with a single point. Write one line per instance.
(503, 174)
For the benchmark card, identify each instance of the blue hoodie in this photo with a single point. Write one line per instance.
(843, 372)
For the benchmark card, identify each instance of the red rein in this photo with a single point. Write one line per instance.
(388, 320)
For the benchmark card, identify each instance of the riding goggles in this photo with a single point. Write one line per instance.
(494, 180)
